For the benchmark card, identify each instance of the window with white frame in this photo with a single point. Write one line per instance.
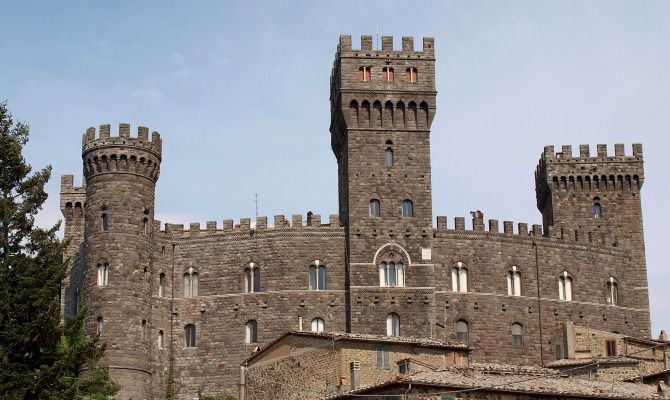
(392, 325)
(251, 332)
(391, 274)
(459, 278)
(514, 281)
(252, 278)
(565, 286)
(191, 283)
(318, 325)
(375, 208)
(317, 276)
(612, 287)
(103, 273)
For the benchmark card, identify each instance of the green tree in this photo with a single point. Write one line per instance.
(40, 357)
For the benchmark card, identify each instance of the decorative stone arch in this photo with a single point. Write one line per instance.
(391, 247)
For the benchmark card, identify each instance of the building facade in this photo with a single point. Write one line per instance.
(183, 307)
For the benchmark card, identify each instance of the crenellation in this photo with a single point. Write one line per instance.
(296, 220)
(602, 150)
(407, 43)
(459, 223)
(227, 224)
(523, 228)
(245, 224)
(261, 222)
(316, 220)
(566, 151)
(279, 221)
(387, 43)
(366, 42)
(493, 225)
(584, 151)
(211, 226)
(619, 150)
(194, 229)
(508, 227)
(441, 223)
(537, 230)
(334, 220)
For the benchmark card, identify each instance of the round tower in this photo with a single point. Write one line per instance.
(121, 174)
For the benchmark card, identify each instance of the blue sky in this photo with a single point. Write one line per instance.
(239, 92)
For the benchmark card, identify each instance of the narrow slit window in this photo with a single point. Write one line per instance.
(104, 223)
(517, 334)
(251, 332)
(388, 157)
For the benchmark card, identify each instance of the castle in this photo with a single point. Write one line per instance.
(189, 305)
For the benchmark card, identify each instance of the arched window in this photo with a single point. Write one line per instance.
(565, 286)
(387, 74)
(317, 276)
(392, 325)
(191, 283)
(612, 291)
(462, 334)
(161, 340)
(100, 326)
(388, 157)
(392, 274)
(459, 278)
(161, 284)
(514, 282)
(597, 208)
(411, 75)
(104, 223)
(517, 334)
(364, 73)
(252, 278)
(375, 208)
(189, 335)
(103, 273)
(407, 208)
(317, 325)
(251, 332)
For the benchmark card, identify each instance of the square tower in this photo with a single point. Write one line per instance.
(382, 107)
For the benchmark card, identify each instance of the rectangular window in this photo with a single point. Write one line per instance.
(611, 348)
(383, 357)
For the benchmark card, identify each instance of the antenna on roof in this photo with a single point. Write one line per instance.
(256, 204)
(377, 46)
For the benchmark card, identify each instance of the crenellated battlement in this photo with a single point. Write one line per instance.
(71, 196)
(407, 49)
(602, 154)
(245, 225)
(524, 230)
(561, 170)
(103, 153)
(93, 139)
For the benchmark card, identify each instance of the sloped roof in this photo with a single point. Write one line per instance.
(513, 379)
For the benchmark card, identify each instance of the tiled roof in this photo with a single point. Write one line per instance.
(514, 379)
(386, 339)
(570, 362)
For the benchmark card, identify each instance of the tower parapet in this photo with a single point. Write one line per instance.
(122, 153)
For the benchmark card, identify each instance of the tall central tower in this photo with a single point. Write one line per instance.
(382, 107)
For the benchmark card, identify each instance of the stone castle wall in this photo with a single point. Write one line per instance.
(368, 118)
